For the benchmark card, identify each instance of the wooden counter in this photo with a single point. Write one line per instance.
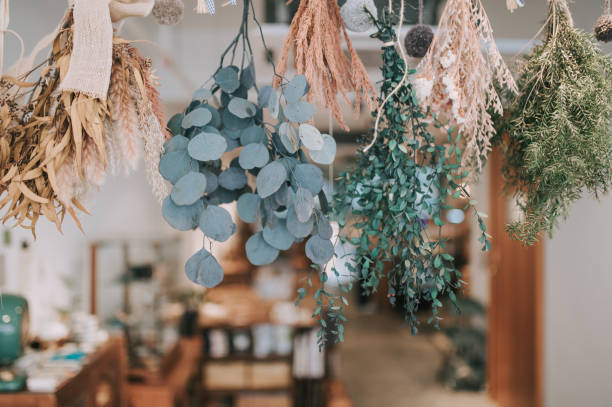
(100, 383)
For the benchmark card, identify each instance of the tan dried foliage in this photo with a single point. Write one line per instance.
(315, 36)
(55, 146)
(458, 75)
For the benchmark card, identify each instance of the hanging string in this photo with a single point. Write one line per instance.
(421, 12)
(404, 77)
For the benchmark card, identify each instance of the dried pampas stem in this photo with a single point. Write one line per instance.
(457, 77)
(315, 36)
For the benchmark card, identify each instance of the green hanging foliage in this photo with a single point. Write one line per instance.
(391, 205)
(558, 143)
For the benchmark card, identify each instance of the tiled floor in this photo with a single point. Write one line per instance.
(382, 364)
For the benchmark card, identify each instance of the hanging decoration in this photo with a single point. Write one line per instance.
(168, 12)
(356, 15)
(315, 35)
(418, 39)
(558, 143)
(208, 6)
(603, 26)
(514, 4)
(285, 198)
(61, 133)
(394, 200)
(457, 77)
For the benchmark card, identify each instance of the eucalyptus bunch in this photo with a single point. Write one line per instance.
(285, 198)
(558, 143)
(390, 206)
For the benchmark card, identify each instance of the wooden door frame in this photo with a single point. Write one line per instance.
(515, 311)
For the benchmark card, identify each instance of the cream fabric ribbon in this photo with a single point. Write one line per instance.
(91, 60)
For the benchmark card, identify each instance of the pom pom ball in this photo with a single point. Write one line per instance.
(355, 17)
(603, 28)
(418, 40)
(168, 12)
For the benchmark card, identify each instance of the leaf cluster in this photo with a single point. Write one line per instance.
(558, 144)
(402, 184)
(287, 204)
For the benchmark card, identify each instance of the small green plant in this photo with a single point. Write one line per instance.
(385, 204)
(558, 143)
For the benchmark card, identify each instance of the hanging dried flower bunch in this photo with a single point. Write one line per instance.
(559, 143)
(56, 144)
(457, 77)
(391, 206)
(285, 198)
(315, 35)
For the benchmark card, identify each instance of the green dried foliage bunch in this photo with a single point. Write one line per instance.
(385, 204)
(558, 143)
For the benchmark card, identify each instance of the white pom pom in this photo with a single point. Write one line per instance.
(355, 17)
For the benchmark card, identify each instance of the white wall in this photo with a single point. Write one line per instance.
(577, 308)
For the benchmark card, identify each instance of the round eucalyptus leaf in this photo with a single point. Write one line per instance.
(298, 229)
(278, 236)
(299, 112)
(296, 88)
(189, 188)
(212, 181)
(283, 196)
(242, 108)
(247, 76)
(327, 154)
(182, 217)
(197, 118)
(253, 134)
(254, 155)
(217, 223)
(215, 121)
(288, 137)
(248, 207)
(324, 228)
(308, 176)
(233, 179)
(319, 250)
(203, 269)
(174, 124)
(174, 164)
(222, 196)
(270, 179)
(233, 134)
(274, 104)
(259, 252)
(202, 94)
(227, 79)
(176, 143)
(311, 137)
(264, 96)
(304, 204)
(233, 122)
(231, 143)
(207, 146)
(289, 163)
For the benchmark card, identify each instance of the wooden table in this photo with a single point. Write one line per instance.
(169, 386)
(100, 383)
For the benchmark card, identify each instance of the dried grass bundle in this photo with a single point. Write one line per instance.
(315, 36)
(56, 146)
(457, 77)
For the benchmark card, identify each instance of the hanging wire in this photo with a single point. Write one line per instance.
(404, 77)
